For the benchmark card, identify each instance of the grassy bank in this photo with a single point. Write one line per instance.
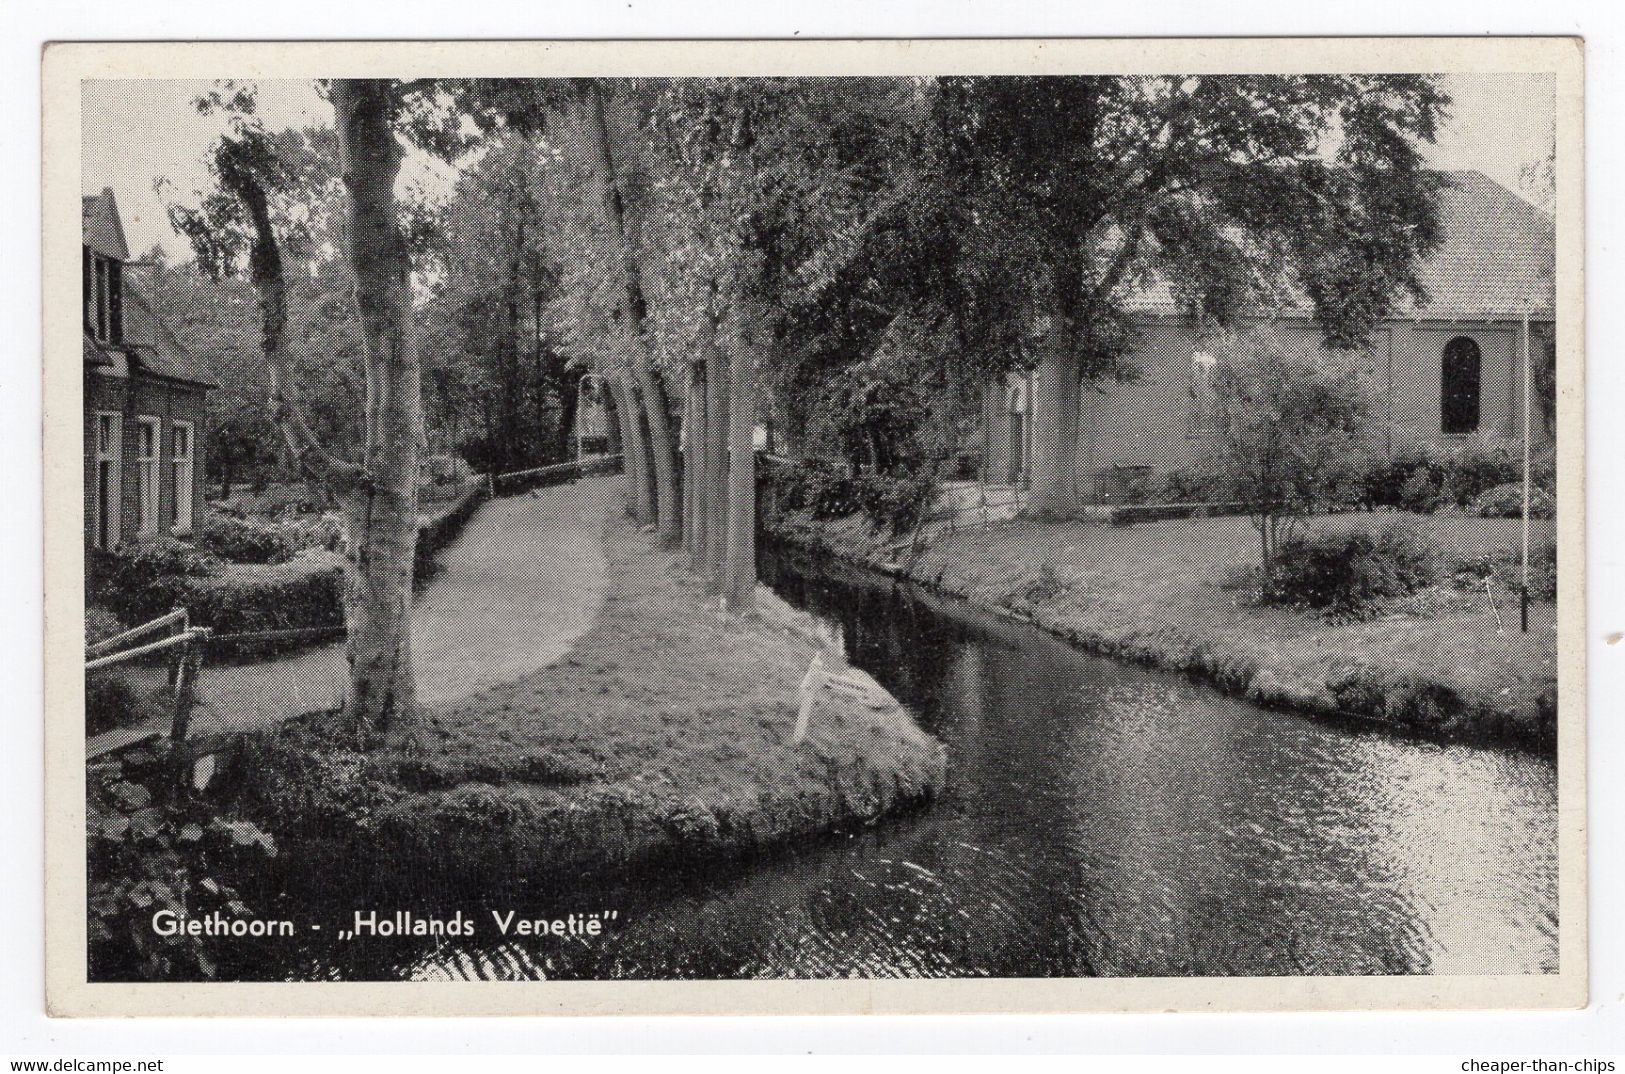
(664, 733)
(1161, 593)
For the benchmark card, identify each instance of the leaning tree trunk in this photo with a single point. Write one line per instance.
(716, 470)
(1055, 422)
(662, 445)
(382, 516)
(739, 584)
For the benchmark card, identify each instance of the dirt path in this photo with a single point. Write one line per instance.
(513, 593)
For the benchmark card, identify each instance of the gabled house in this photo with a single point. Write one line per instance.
(144, 399)
(1441, 371)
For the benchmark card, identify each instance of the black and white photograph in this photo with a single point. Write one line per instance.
(1065, 524)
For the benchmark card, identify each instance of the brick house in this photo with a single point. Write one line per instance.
(1441, 372)
(144, 399)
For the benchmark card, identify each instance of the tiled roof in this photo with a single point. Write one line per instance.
(1496, 252)
(155, 348)
(150, 346)
(102, 230)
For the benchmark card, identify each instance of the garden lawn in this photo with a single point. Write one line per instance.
(665, 731)
(1159, 593)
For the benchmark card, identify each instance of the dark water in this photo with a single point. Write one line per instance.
(1101, 820)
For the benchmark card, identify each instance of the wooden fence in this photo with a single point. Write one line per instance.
(184, 643)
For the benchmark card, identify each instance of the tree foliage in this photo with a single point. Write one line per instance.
(1289, 433)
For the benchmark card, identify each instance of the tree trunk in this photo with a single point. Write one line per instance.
(699, 444)
(383, 511)
(634, 447)
(614, 428)
(716, 470)
(662, 445)
(1055, 422)
(569, 391)
(739, 588)
(510, 377)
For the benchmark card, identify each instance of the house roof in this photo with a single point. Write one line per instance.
(1496, 253)
(150, 346)
(103, 231)
(154, 347)
(148, 343)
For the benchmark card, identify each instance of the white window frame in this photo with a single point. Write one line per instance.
(109, 523)
(182, 471)
(146, 475)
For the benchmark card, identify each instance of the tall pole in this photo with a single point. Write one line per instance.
(1525, 582)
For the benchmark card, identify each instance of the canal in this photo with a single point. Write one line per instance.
(1101, 820)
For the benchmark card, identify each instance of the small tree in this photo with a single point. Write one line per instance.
(1289, 433)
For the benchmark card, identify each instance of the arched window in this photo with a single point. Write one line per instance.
(1459, 386)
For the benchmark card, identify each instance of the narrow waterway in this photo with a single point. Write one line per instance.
(1101, 820)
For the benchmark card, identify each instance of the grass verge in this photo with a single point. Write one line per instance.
(665, 732)
(1159, 593)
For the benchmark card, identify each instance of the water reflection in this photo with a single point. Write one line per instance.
(1100, 820)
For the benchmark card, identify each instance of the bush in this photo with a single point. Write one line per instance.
(114, 699)
(1504, 568)
(1425, 478)
(439, 530)
(1352, 575)
(150, 846)
(1193, 486)
(100, 624)
(138, 582)
(1482, 462)
(1506, 501)
(1425, 491)
(325, 532)
(898, 503)
(303, 590)
(241, 540)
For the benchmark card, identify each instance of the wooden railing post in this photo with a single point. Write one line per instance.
(180, 627)
(191, 658)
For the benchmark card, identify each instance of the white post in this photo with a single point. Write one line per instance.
(811, 683)
(1526, 454)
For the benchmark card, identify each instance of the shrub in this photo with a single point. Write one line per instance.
(440, 529)
(1383, 479)
(100, 624)
(1289, 431)
(1504, 568)
(898, 503)
(302, 591)
(324, 532)
(150, 846)
(1506, 501)
(138, 582)
(1424, 491)
(1425, 478)
(1482, 462)
(114, 699)
(1352, 575)
(1193, 486)
(241, 540)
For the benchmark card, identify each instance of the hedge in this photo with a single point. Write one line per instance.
(305, 592)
